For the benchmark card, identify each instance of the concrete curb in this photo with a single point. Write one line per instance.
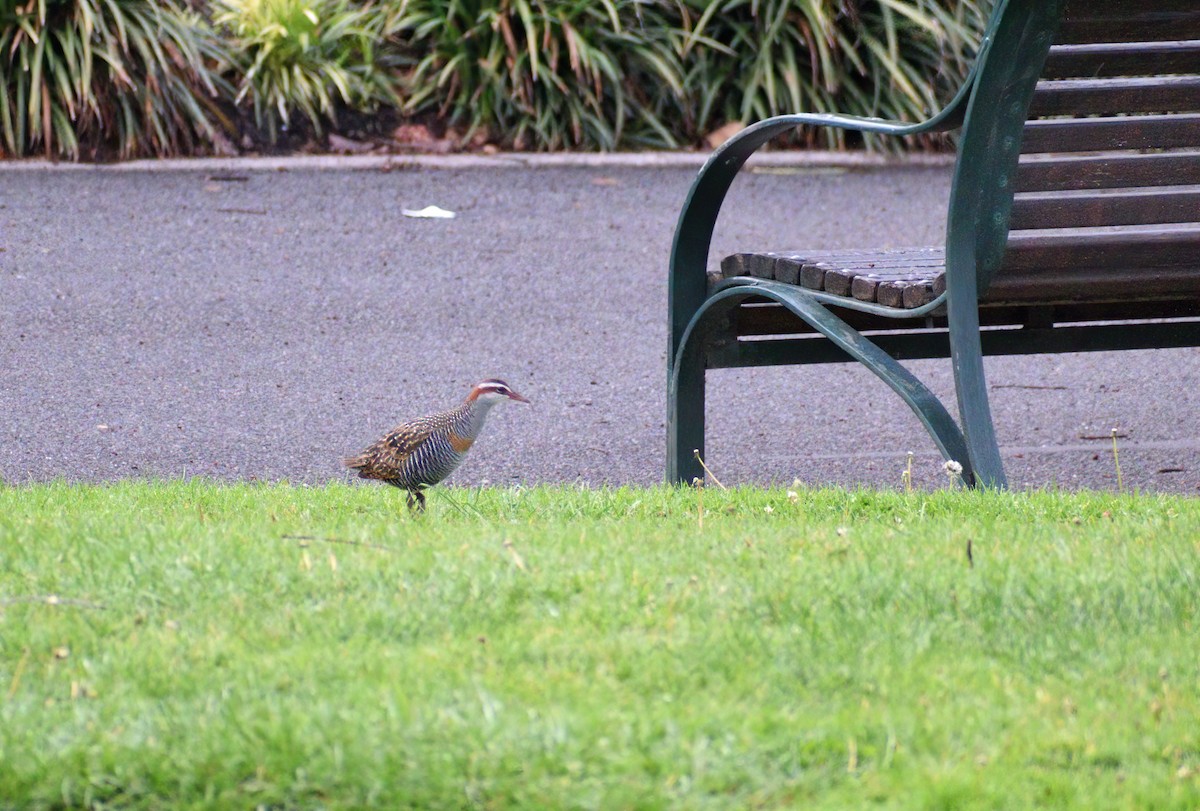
(505, 160)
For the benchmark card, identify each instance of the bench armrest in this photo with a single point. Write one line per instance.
(742, 145)
(698, 217)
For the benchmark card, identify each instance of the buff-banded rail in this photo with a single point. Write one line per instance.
(423, 452)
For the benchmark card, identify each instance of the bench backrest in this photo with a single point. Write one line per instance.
(1085, 116)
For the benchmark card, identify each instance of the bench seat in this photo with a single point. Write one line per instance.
(1053, 265)
(903, 279)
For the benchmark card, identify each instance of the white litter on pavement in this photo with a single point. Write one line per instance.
(429, 213)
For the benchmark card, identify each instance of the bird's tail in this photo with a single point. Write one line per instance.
(355, 462)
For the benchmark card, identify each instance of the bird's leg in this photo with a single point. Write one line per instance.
(416, 497)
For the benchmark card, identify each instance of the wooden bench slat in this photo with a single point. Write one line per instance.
(1065, 264)
(1108, 134)
(1083, 284)
(1134, 206)
(773, 319)
(1128, 247)
(759, 265)
(865, 287)
(1096, 60)
(1111, 171)
(1075, 9)
(896, 278)
(1102, 23)
(1140, 94)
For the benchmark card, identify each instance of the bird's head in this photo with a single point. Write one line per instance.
(494, 391)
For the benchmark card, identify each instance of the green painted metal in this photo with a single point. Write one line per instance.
(688, 285)
(981, 201)
(936, 344)
(981, 196)
(933, 415)
(991, 107)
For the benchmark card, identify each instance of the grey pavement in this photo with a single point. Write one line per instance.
(258, 321)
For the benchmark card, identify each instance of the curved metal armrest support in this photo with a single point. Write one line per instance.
(698, 218)
(704, 199)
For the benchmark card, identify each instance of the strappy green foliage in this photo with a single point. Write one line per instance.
(130, 75)
(891, 59)
(577, 73)
(306, 57)
(156, 77)
(548, 74)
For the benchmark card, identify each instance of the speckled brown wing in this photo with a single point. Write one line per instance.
(387, 458)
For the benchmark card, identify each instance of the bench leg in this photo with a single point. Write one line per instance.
(924, 403)
(685, 415)
(966, 356)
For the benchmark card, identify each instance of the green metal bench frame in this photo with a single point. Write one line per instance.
(991, 109)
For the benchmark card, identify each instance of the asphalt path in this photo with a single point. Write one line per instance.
(237, 322)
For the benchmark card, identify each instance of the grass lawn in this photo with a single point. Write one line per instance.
(166, 645)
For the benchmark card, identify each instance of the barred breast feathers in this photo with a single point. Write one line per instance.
(390, 457)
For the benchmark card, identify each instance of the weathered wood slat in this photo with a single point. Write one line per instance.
(918, 294)
(761, 320)
(933, 344)
(812, 275)
(1083, 284)
(1086, 9)
(758, 265)
(902, 273)
(891, 293)
(1150, 23)
(809, 271)
(1097, 60)
(1139, 94)
(735, 264)
(866, 286)
(866, 263)
(1108, 134)
(1121, 247)
(1108, 171)
(837, 281)
(1136, 206)
(1051, 264)
(900, 276)
(840, 279)
(785, 265)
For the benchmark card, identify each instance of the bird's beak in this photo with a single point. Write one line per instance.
(514, 396)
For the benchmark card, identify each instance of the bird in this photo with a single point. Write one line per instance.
(424, 451)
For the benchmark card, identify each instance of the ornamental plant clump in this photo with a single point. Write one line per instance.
(160, 77)
(127, 75)
(547, 74)
(550, 74)
(895, 59)
(311, 57)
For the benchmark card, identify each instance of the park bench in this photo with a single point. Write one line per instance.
(1073, 225)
